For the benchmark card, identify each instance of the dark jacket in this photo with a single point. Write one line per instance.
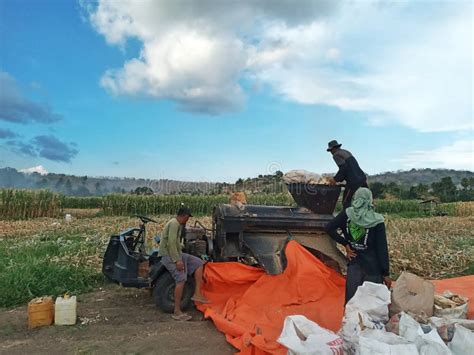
(372, 250)
(349, 169)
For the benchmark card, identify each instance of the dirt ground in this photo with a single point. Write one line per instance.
(113, 320)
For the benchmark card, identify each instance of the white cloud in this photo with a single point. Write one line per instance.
(459, 155)
(199, 72)
(193, 54)
(35, 169)
(421, 78)
(149, 19)
(405, 62)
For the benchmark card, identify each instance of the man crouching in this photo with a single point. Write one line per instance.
(180, 264)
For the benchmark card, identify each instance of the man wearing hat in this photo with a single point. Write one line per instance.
(179, 264)
(349, 171)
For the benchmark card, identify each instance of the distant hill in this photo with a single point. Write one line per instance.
(89, 186)
(421, 176)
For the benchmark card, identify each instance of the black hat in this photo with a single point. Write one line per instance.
(184, 211)
(333, 144)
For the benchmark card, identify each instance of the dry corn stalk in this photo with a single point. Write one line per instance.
(449, 301)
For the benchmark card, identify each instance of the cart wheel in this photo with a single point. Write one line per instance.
(163, 293)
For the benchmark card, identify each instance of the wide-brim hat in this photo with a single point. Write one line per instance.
(333, 144)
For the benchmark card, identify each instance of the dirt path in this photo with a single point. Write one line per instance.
(115, 320)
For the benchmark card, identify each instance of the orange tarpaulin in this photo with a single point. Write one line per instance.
(250, 306)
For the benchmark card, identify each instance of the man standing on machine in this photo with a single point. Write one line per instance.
(349, 171)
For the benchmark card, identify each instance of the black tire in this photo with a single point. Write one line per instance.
(163, 293)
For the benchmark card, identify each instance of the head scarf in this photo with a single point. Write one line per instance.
(362, 211)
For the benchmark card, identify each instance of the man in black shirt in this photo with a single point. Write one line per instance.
(349, 171)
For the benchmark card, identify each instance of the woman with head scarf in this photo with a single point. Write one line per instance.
(362, 232)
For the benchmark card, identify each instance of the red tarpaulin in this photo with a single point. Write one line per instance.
(250, 306)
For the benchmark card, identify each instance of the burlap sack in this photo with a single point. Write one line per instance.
(238, 197)
(302, 177)
(412, 294)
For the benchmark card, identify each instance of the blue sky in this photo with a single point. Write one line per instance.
(214, 92)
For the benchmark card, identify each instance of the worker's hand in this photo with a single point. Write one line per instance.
(388, 282)
(180, 265)
(350, 253)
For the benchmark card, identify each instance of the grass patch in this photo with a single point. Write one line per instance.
(46, 265)
(467, 243)
(470, 269)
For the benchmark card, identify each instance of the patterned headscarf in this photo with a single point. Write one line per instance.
(362, 211)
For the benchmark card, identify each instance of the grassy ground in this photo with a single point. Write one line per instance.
(47, 256)
(50, 256)
(47, 264)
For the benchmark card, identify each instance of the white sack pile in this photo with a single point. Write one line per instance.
(366, 329)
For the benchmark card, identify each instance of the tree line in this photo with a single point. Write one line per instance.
(459, 186)
(444, 190)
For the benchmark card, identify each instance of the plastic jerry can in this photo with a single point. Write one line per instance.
(40, 312)
(65, 310)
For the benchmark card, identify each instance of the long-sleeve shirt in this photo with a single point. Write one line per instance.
(372, 250)
(170, 243)
(349, 169)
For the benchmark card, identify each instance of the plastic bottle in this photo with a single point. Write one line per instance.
(65, 310)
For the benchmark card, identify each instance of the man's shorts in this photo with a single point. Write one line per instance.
(191, 264)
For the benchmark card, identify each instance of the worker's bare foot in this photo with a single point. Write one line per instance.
(181, 316)
(200, 299)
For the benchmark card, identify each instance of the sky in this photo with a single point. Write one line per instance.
(215, 90)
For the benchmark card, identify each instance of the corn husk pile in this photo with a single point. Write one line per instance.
(305, 177)
(449, 300)
(39, 300)
(450, 306)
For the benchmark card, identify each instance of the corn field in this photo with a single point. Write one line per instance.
(460, 209)
(81, 202)
(280, 199)
(118, 205)
(397, 206)
(26, 204)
